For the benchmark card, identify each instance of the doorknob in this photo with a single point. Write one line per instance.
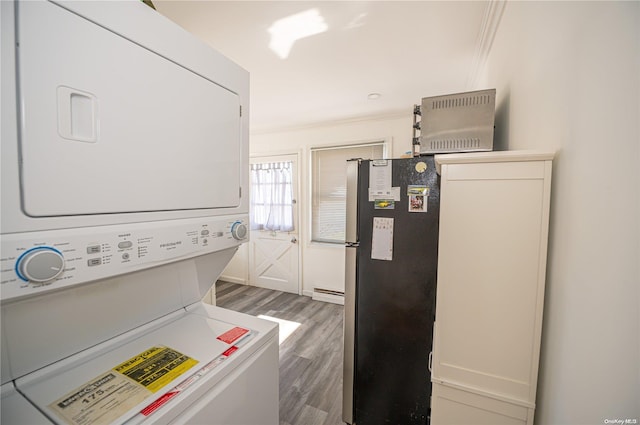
(294, 240)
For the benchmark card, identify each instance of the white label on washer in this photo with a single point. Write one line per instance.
(102, 400)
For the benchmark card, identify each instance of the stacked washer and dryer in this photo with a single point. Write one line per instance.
(124, 196)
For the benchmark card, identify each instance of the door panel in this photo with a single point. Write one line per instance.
(274, 261)
(274, 255)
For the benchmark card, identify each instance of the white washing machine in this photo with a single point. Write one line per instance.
(15, 409)
(124, 196)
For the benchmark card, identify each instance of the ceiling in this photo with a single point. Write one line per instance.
(346, 50)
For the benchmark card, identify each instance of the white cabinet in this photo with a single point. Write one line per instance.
(494, 217)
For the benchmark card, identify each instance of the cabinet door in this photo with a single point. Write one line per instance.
(491, 271)
(452, 406)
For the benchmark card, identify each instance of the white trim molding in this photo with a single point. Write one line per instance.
(233, 279)
(490, 24)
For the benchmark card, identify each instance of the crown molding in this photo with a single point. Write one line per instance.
(488, 30)
(389, 115)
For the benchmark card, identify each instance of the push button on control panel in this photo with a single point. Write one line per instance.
(125, 244)
(93, 249)
(204, 232)
(94, 262)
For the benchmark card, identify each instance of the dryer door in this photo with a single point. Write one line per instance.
(108, 126)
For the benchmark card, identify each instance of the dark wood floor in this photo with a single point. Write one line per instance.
(310, 359)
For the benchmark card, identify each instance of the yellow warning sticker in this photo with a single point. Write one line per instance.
(156, 367)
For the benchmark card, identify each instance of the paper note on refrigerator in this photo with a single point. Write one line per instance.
(392, 193)
(380, 181)
(380, 174)
(382, 239)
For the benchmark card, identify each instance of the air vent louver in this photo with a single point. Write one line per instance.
(449, 145)
(459, 102)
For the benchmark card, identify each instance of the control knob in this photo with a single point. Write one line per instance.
(40, 264)
(239, 230)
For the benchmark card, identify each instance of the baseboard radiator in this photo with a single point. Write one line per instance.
(328, 295)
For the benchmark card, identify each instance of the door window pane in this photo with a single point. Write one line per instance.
(271, 206)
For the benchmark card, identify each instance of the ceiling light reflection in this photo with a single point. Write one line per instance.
(286, 31)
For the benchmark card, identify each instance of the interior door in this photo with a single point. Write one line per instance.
(274, 253)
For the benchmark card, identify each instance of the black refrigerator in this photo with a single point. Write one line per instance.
(390, 290)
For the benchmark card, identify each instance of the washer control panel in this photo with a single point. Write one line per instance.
(40, 261)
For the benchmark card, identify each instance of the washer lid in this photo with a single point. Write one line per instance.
(119, 381)
(17, 410)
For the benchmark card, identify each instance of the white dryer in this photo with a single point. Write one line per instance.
(124, 196)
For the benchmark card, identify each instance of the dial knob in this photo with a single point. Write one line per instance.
(239, 230)
(40, 264)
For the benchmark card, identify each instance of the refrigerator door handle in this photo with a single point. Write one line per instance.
(351, 224)
(349, 333)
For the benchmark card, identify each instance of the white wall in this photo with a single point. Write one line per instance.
(237, 270)
(323, 264)
(567, 78)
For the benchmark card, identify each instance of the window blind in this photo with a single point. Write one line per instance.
(329, 190)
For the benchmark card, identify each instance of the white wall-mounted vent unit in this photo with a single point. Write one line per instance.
(328, 295)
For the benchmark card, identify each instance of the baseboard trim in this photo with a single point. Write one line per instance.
(232, 279)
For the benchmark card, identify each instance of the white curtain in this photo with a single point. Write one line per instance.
(272, 196)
